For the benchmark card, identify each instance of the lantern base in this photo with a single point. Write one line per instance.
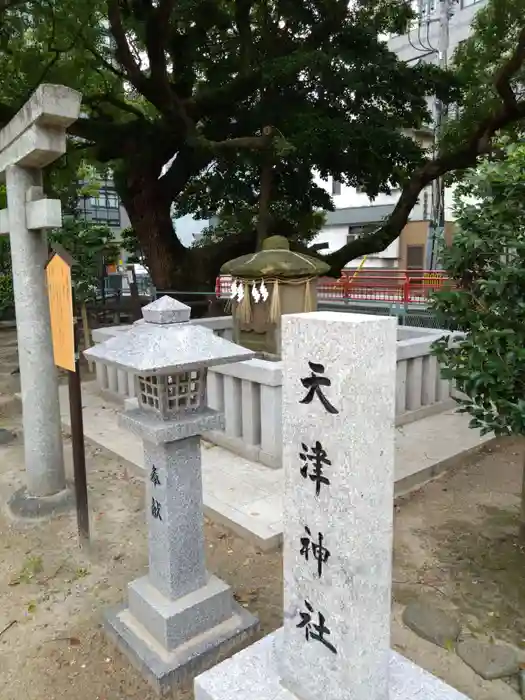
(165, 669)
(254, 674)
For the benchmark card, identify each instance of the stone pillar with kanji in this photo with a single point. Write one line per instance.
(338, 457)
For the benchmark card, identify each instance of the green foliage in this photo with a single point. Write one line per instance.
(350, 129)
(487, 265)
(235, 198)
(300, 227)
(131, 244)
(70, 179)
(5, 255)
(6, 278)
(476, 61)
(56, 42)
(7, 301)
(90, 245)
(53, 42)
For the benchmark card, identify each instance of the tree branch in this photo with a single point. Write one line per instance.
(115, 102)
(155, 88)
(186, 165)
(254, 143)
(157, 36)
(460, 158)
(10, 4)
(508, 70)
(112, 138)
(58, 53)
(107, 64)
(242, 22)
(122, 49)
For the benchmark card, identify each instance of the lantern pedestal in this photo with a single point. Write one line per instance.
(179, 619)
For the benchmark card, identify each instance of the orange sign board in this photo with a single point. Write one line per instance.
(59, 290)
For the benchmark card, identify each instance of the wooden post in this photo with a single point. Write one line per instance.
(79, 450)
(134, 291)
(65, 334)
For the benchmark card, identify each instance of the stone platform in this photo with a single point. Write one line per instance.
(247, 496)
(253, 675)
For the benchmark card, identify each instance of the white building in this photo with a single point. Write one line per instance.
(354, 212)
(422, 40)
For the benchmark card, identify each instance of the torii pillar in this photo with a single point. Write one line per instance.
(34, 138)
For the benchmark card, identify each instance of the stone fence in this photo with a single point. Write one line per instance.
(249, 392)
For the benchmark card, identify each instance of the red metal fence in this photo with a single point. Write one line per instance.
(388, 286)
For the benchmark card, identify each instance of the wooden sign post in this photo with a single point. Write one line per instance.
(64, 331)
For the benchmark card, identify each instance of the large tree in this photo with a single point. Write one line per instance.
(258, 92)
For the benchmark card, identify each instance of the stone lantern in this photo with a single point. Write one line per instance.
(266, 285)
(178, 618)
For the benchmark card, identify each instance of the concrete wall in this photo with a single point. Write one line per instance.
(249, 393)
(350, 197)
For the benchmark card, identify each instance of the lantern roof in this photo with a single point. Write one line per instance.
(275, 260)
(164, 342)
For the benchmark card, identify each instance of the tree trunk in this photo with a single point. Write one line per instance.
(172, 265)
(148, 205)
(263, 220)
(522, 518)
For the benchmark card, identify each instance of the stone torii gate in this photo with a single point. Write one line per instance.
(34, 138)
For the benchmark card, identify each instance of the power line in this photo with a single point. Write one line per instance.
(424, 18)
(436, 231)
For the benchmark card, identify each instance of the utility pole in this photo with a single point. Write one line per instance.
(436, 232)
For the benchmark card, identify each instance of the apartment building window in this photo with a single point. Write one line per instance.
(106, 199)
(353, 233)
(336, 187)
(112, 200)
(395, 190)
(425, 205)
(468, 3)
(415, 257)
(110, 217)
(104, 208)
